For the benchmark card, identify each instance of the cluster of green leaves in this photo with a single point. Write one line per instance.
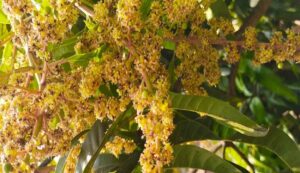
(189, 127)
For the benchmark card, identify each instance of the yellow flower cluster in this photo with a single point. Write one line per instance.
(280, 47)
(36, 29)
(118, 145)
(72, 159)
(232, 53)
(127, 12)
(250, 38)
(221, 26)
(198, 65)
(180, 11)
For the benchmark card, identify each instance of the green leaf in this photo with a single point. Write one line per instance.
(61, 163)
(83, 59)
(171, 72)
(96, 140)
(266, 77)
(189, 156)
(220, 9)
(279, 143)
(3, 17)
(234, 157)
(75, 140)
(189, 130)
(64, 49)
(7, 168)
(105, 163)
(128, 162)
(91, 143)
(7, 61)
(241, 86)
(170, 45)
(275, 84)
(276, 141)
(62, 160)
(218, 110)
(258, 109)
(145, 8)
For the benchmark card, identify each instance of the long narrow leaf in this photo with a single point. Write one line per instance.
(189, 156)
(276, 141)
(92, 141)
(106, 163)
(279, 143)
(87, 159)
(61, 164)
(218, 110)
(188, 130)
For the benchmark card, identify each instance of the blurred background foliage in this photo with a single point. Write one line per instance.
(268, 93)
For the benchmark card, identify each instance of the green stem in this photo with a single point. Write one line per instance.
(85, 9)
(33, 64)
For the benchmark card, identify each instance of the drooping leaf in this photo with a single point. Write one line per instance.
(241, 86)
(189, 156)
(279, 143)
(61, 164)
(75, 141)
(276, 141)
(105, 163)
(218, 110)
(45, 162)
(189, 130)
(93, 139)
(128, 162)
(258, 109)
(233, 157)
(96, 140)
(62, 160)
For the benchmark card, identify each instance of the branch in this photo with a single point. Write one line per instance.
(194, 40)
(23, 89)
(44, 74)
(254, 17)
(27, 70)
(58, 62)
(33, 64)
